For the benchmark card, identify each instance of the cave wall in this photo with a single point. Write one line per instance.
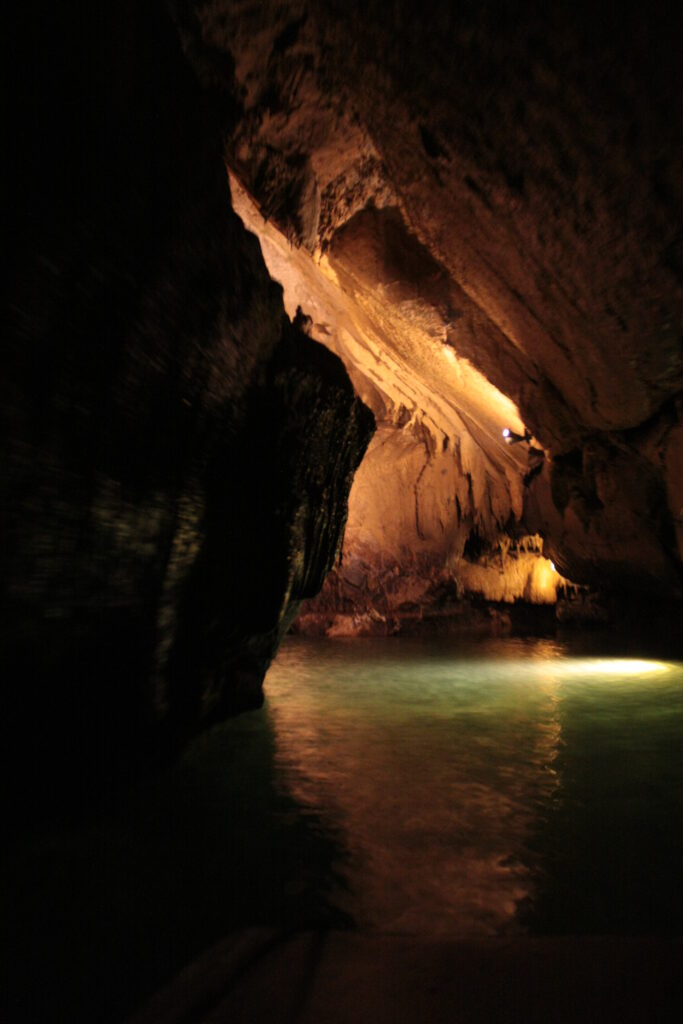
(477, 209)
(499, 182)
(176, 454)
(438, 471)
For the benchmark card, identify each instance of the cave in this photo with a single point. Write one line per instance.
(342, 512)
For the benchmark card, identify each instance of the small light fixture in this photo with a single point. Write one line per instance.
(552, 566)
(512, 438)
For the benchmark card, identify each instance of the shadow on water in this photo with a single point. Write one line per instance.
(98, 916)
(607, 848)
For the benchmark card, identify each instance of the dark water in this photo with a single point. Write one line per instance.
(391, 785)
(511, 789)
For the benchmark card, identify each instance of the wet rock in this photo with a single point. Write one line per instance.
(369, 595)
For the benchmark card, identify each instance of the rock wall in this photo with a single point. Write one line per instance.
(481, 204)
(475, 207)
(176, 454)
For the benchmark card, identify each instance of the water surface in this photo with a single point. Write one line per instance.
(506, 788)
(399, 786)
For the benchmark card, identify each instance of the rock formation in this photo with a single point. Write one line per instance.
(176, 454)
(478, 206)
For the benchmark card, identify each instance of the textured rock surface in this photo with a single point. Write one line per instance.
(176, 455)
(476, 207)
(492, 188)
(370, 594)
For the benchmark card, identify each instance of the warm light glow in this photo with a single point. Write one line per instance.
(615, 666)
(506, 432)
(377, 739)
(390, 344)
(552, 566)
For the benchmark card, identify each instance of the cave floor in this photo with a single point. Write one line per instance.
(337, 977)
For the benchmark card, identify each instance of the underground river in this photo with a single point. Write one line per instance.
(510, 787)
(411, 787)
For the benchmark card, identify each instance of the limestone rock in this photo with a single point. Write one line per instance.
(498, 204)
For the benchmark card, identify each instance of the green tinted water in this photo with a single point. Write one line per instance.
(505, 789)
(393, 785)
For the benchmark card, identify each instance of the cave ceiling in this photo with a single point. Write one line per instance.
(477, 207)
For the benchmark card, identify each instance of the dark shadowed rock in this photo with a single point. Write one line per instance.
(176, 456)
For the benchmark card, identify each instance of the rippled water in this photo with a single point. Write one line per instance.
(398, 785)
(507, 789)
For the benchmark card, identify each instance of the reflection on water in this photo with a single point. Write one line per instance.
(409, 785)
(451, 778)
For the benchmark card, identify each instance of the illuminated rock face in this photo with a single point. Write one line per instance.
(439, 468)
(479, 204)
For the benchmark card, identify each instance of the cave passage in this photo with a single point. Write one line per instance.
(338, 321)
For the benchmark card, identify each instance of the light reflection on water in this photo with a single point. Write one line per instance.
(437, 768)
